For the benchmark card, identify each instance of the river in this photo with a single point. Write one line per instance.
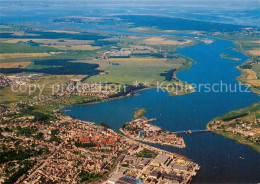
(222, 160)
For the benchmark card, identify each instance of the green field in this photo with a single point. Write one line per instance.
(130, 74)
(256, 68)
(250, 46)
(251, 109)
(24, 48)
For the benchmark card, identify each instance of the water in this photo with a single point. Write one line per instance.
(234, 12)
(221, 159)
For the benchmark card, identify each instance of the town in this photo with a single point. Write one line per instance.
(244, 125)
(46, 149)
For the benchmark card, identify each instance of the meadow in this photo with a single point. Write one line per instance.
(149, 69)
(129, 74)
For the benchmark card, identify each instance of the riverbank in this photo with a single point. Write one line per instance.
(248, 77)
(241, 125)
(239, 139)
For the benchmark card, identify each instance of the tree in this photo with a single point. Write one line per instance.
(103, 124)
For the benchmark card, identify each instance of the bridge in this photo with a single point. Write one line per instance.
(190, 131)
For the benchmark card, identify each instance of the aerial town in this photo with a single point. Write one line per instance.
(141, 129)
(60, 149)
(54, 148)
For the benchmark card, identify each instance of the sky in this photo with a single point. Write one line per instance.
(243, 12)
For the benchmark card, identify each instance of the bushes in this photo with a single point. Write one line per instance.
(147, 153)
(86, 176)
(103, 124)
(169, 74)
(85, 145)
(234, 117)
(38, 116)
(20, 172)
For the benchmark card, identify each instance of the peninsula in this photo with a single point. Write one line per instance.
(141, 129)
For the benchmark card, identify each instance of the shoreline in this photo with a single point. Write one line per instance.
(241, 79)
(223, 125)
(238, 139)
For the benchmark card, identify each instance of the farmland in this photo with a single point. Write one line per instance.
(22, 55)
(130, 74)
(14, 65)
(63, 55)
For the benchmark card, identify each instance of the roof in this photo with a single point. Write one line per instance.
(160, 159)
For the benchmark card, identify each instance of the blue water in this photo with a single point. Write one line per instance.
(219, 157)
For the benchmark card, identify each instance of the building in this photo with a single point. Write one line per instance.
(160, 160)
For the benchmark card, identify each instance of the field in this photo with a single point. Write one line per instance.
(50, 41)
(254, 52)
(24, 48)
(129, 70)
(149, 61)
(102, 63)
(76, 47)
(22, 55)
(164, 41)
(251, 109)
(256, 68)
(251, 76)
(14, 64)
(45, 45)
(130, 74)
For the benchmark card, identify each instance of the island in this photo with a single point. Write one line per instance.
(226, 56)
